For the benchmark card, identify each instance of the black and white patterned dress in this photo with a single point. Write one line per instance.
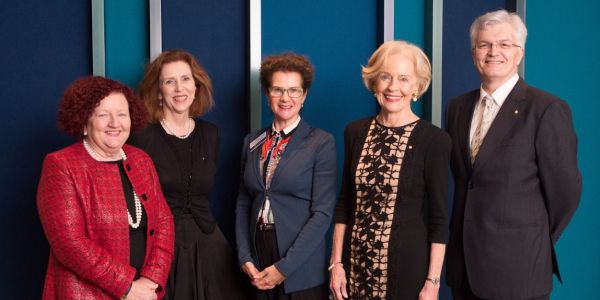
(377, 177)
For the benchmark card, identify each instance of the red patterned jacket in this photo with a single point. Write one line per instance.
(84, 215)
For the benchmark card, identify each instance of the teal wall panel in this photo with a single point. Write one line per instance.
(562, 57)
(126, 39)
(409, 25)
(409, 21)
(338, 36)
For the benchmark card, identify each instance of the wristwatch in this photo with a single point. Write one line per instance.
(434, 280)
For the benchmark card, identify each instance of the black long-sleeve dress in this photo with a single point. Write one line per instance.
(393, 201)
(204, 265)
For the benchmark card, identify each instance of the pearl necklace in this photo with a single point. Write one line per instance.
(96, 156)
(136, 200)
(138, 212)
(171, 132)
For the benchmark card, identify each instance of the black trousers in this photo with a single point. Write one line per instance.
(464, 292)
(268, 254)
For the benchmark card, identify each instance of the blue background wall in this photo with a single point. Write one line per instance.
(126, 39)
(561, 57)
(216, 33)
(46, 45)
(42, 49)
(338, 94)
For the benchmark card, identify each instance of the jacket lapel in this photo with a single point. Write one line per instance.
(292, 148)
(254, 157)
(504, 121)
(464, 127)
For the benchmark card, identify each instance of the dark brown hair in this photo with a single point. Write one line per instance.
(286, 62)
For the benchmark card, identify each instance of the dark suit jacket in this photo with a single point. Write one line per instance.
(302, 194)
(512, 204)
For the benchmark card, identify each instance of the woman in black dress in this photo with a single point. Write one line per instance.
(175, 90)
(391, 218)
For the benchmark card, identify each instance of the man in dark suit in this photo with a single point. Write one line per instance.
(514, 160)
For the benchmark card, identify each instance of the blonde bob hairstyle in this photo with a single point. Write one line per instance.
(150, 86)
(414, 53)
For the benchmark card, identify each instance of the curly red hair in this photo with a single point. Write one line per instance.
(84, 95)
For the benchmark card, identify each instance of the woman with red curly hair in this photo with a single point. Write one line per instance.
(100, 203)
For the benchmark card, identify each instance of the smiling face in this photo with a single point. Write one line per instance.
(285, 108)
(108, 127)
(177, 87)
(396, 83)
(496, 65)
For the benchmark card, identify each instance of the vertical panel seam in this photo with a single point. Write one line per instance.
(436, 53)
(521, 11)
(388, 20)
(98, 43)
(155, 28)
(255, 58)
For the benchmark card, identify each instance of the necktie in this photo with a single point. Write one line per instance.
(483, 124)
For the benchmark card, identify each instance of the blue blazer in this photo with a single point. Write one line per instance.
(302, 194)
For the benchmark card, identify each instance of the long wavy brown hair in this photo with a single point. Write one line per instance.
(150, 85)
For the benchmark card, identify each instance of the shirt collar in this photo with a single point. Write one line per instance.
(501, 93)
(288, 130)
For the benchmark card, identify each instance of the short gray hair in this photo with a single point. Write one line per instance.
(499, 17)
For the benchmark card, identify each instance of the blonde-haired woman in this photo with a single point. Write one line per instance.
(391, 218)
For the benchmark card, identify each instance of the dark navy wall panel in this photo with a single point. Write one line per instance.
(44, 45)
(338, 36)
(458, 73)
(216, 33)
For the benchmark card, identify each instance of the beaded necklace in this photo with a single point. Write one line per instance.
(170, 131)
(136, 200)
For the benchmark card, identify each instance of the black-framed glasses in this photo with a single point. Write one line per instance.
(501, 45)
(293, 92)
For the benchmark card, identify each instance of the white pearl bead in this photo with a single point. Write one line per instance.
(136, 199)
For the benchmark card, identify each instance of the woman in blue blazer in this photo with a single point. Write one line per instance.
(287, 192)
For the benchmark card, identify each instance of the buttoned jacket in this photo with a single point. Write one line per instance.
(83, 211)
(302, 194)
(514, 201)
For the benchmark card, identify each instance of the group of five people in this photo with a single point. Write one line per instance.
(511, 148)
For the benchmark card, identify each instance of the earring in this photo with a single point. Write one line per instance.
(414, 97)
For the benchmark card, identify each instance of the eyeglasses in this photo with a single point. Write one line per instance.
(294, 92)
(502, 45)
